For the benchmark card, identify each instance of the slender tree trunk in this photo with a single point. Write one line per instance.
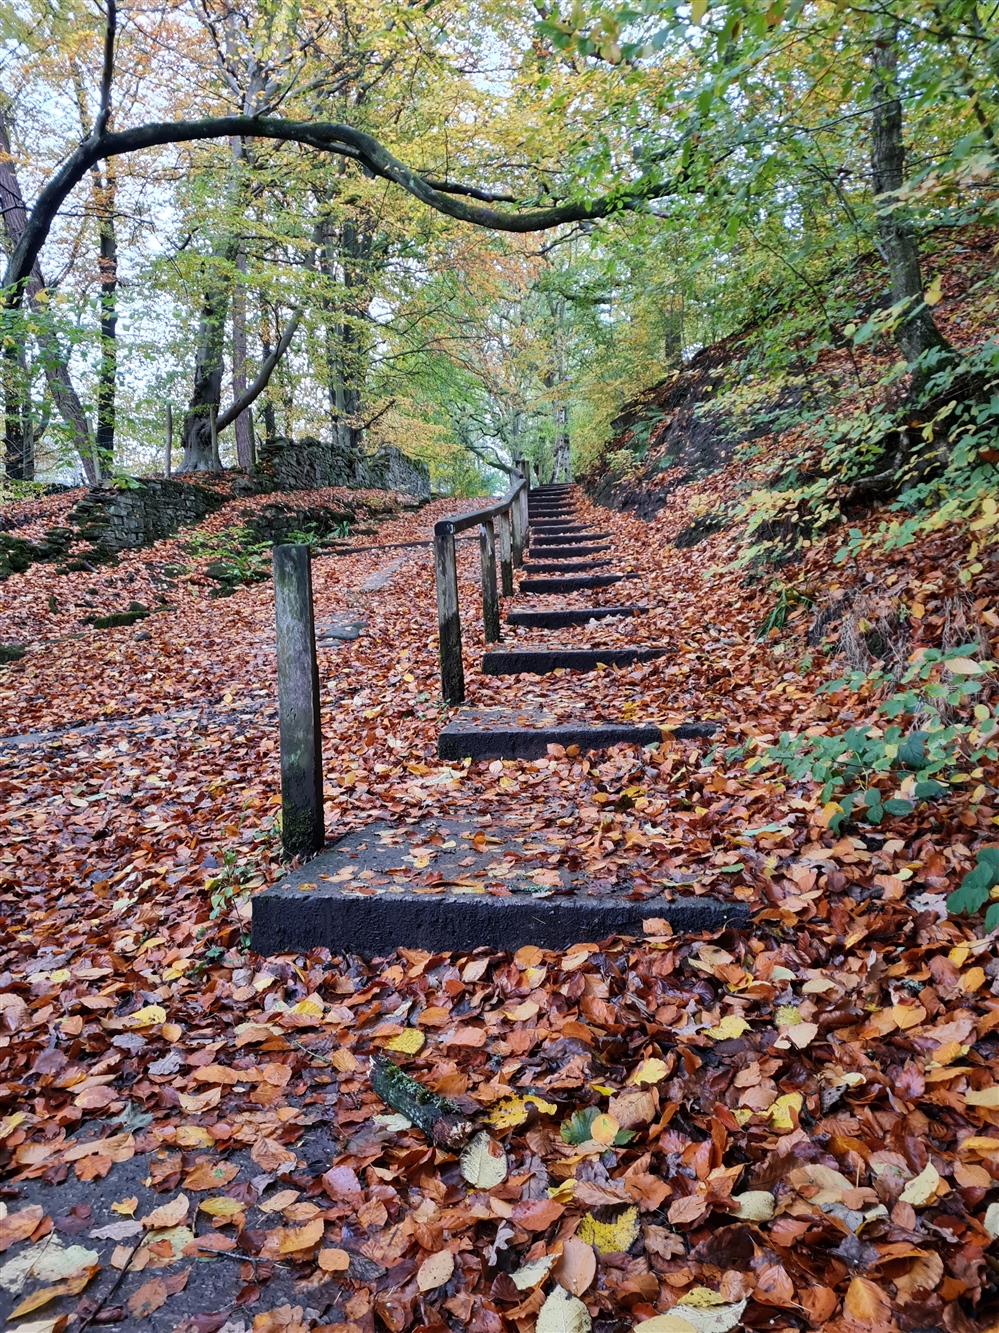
(267, 411)
(244, 422)
(209, 359)
(917, 332)
(19, 438)
(54, 361)
(104, 201)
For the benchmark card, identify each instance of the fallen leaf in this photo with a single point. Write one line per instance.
(483, 1162)
(171, 1214)
(614, 1237)
(563, 1313)
(576, 1267)
(435, 1270)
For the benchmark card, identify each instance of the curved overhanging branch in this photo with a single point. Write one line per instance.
(253, 392)
(444, 197)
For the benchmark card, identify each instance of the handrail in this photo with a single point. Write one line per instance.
(461, 522)
(511, 513)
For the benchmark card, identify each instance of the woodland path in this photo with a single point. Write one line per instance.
(482, 884)
(147, 1054)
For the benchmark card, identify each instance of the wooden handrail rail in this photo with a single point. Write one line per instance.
(510, 511)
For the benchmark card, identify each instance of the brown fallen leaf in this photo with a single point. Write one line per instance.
(435, 1271)
(576, 1267)
(172, 1214)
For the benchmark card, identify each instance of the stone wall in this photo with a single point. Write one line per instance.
(392, 470)
(308, 464)
(145, 513)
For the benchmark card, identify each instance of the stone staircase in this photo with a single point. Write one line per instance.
(498, 878)
(480, 733)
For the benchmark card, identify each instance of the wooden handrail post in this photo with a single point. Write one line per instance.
(490, 597)
(448, 618)
(506, 553)
(302, 823)
(516, 535)
(519, 517)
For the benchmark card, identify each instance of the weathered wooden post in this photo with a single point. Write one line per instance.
(490, 597)
(519, 518)
(168, 446)
(448, 618)
(506, 553)
(213, 428)
(303, 827)
(522, 500)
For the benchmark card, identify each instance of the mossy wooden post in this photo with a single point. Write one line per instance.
(518, 528)
(490, 598)
(449, 620)
(302, 825)
(168, 446)
(506, 554)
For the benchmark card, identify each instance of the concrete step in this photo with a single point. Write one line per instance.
(571, 584)
(551, 507)
(568, 552)
(544, 528)
(504, 733)
(580, 537)
(429, 886)
(572, 567)
(571, 615)
(541, 661)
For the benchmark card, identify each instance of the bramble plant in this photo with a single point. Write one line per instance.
(921, 759)
(976, 888)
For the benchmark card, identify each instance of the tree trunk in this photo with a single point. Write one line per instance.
(267, 411)
(244, 422)
(916, 333)
(54, 360)
(209, 360)
(104, 201)
(19, 438)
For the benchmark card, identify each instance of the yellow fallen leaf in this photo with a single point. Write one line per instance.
(146, 1017)
(780, 1112)
(513, 1111)
(408, 1042)
(126, 1207)
(221, 1206)
(71, 1287)
(171, 1032)
(610, 1237)
(922, 1188)
(732, 1025)
(650, 1071)
(786, 1015)
(702, 1298)
(986, 1097)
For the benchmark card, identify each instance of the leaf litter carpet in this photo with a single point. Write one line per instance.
(793, 1126)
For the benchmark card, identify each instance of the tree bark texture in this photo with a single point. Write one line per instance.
(244, 422)
(54, 360)
(107, 377)
(917, 332)
(209, 360)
